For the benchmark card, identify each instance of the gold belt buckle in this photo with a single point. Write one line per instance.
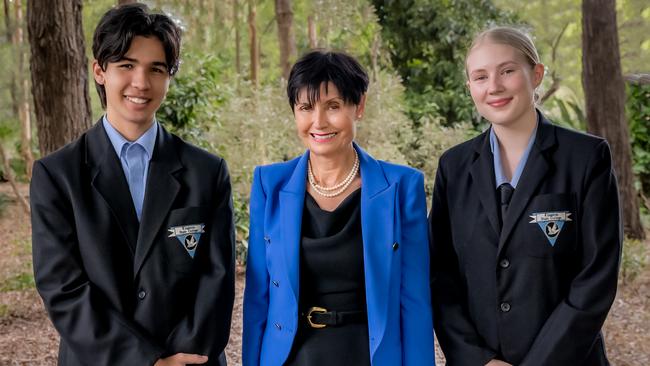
(317, 310)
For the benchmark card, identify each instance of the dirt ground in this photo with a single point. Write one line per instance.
(27, 337)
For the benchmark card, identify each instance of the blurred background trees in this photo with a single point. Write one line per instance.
(229, 95)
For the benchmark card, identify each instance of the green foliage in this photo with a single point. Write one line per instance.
(240, 204)
(346, 25)
(193, 95)
(638, 114)
(633, 18)
(634, 259)
(570, 115)
(427, 40)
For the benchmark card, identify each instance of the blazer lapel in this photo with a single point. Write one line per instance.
(377, 225)
(292, 200)
(160, 194)
(109, 181)
(533, 174)
(482, 172)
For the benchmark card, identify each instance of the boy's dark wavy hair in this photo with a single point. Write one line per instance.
(118, 27)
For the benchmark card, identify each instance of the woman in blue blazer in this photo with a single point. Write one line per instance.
(338, 261)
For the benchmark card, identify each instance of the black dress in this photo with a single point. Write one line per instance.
(332, 277)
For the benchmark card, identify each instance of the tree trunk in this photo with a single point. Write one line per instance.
(13, 86)
(122, 2)
(284, 18)
(311, 31)
(254, 50)
(604, 89)
(235, 17)
(59, 70)
(24, 110)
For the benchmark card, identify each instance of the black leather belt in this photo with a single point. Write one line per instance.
(320, 317)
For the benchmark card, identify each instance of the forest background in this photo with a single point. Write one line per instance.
(229, 96)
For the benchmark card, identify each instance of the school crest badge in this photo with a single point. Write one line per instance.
(188, 236)
(551, 223)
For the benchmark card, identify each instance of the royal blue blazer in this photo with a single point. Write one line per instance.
(396, 263)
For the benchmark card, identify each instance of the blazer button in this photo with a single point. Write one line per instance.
(505, 307)
(278, 326)
(142, 294)
(395, 246)
(504, 263)
(267, 240)
(276, 283)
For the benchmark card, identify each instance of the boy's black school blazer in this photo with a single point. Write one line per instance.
(123, 293)
(507, 292)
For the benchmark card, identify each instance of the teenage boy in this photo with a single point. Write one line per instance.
(132, 228)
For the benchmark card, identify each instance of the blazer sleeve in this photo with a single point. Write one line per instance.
(572, 330)
(206, 327)
(415, 294)
(459, 340)
(256, 294)
(97, 333)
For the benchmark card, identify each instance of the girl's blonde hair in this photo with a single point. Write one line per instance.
(509, 36)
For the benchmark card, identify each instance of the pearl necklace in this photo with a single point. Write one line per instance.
(336, 190)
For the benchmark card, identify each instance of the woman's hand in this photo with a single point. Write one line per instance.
(182, 359)
(497, 363)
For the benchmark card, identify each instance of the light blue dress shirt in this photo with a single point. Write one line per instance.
(498, 168)
(135, 157)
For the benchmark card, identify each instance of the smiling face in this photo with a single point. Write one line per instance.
(328, 126)
(136, 85)
(502, 83)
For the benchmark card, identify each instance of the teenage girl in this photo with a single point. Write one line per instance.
(525, 225)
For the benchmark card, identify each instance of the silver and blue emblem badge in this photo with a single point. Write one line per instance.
(188, 236)
(551, 223)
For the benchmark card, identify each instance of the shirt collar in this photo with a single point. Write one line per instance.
(500, 178)
(147, 140)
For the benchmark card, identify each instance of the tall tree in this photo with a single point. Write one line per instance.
(24, 110)
(9, 33)
(235, 19)
(311, 32)
(59, 70)
(604, 89)
(284, 18)
(254, 48)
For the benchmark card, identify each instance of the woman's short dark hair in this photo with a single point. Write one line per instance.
(118, 27)
(321, 66)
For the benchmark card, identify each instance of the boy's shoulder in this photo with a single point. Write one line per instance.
(92, 146)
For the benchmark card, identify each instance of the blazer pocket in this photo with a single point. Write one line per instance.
(551, 225)
(187, 230)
